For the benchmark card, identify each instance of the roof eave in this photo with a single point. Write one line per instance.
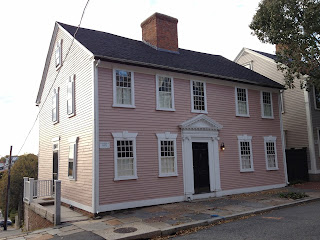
(203, 74)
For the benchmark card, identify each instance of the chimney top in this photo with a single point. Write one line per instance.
(160, 31)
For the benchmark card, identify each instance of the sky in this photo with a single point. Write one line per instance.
(210, 26)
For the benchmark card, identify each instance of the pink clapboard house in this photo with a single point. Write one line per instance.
(134, 123)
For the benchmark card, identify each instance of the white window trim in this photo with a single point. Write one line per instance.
(314, 98)
(262, 106)
(122, 136)
(158, 97)
(282, 101)
(205, 97)
(236, 100)
(167, 136)
(274, 140)
(115, 104)
(245, 138)
(56, 92)
(58, 45)
(248, 64)
(73, 141)
(73, 95)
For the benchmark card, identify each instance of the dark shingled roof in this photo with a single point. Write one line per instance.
(109, 47)
(272, 56)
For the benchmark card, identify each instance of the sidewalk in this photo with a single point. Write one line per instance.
(164, 220)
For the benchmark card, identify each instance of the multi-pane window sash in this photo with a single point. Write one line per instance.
(167, 157)
(123, 87)
(55, 105)
(242, 101)
(70, 95)
(271, 154)
(165, 92)
(58, 54)
(317, 98)
(198, 92)
(267, 104)
(125, 158)
(72, 160)
(245, 153)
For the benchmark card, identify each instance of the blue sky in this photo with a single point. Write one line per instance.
(215, 27)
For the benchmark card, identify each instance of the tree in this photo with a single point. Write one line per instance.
(25, 166)
(294, 26)
(3, 160)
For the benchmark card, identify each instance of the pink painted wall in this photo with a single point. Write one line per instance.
(147, 121)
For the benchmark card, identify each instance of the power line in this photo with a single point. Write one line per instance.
(74, 35)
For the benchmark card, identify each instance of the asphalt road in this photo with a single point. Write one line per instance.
(300, 222)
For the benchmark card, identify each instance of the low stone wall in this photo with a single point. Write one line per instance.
(36, 217)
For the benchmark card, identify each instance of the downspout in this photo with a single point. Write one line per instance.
(95, 154)
(283, 141)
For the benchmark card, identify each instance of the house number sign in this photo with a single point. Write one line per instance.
(104, 144)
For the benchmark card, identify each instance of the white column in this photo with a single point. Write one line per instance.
(216, 164)
(31, 181)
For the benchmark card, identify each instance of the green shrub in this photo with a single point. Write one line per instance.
(293, 195)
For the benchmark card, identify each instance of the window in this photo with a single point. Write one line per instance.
(125, 155)
(123, 88)
(271, 152)
(70, 96)
(167, 154)
(266, 105)
(282, 101)
(58, 54)
(245, 153)
(316, 98)
(165, 93)
(55, 105)
(198, 95)
(72, 158)
(242, 107)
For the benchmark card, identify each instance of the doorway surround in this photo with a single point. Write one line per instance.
(200, 128)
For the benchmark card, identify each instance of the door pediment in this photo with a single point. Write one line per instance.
(201, 122)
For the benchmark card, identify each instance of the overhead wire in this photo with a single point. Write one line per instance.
(62, 63)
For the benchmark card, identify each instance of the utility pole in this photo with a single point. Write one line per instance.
(7, 196)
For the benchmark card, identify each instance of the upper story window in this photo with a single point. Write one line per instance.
(123, 88)
(165, 93)
(271, 152)
(72, 158)
(245, 153)
(55, 105)
(316, 98)
(198, 97)
(125, 159)
(266, 105)
(70, 96)
(242, 106)
(167, 153)
(58, 54)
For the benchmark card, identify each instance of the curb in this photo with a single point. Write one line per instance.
(173, 230)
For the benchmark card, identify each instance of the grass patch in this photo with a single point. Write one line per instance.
(293, 195)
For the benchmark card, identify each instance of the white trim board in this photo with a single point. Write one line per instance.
(248, 190)
(78, 205)
(140, 203)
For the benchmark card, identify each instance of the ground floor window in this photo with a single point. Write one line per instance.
(271, 152)
(245, 153)
(72, 157)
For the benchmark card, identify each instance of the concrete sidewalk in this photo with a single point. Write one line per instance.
(164, 220)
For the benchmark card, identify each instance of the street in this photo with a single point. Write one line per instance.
(300, 222)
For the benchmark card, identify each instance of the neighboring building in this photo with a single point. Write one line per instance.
(1, 166)
(134, 123)
(13, 160)
(301, 108)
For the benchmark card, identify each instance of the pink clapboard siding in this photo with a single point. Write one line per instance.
(147, 121)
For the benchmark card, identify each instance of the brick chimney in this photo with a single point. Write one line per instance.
(160, 31)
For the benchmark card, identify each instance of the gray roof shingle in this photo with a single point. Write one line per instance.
(110, 47)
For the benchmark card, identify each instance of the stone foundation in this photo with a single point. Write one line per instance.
(35, 217)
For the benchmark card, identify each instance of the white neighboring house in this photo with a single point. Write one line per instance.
(300, 108)
(1, 166)
(13, 160)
